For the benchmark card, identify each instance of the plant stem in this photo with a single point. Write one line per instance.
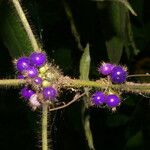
(26, 25)
(11, 82)
(76, 83)
(44, 127)
(127, 87)
(16, 82)
(88, 132)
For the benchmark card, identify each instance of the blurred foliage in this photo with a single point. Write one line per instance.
(105, 26)
(12, 32)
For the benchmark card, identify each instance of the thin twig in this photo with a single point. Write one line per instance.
(138, 75)
(76, 98)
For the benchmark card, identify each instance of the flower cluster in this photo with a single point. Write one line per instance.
(117, 74)
(101, 99)
(35, 70)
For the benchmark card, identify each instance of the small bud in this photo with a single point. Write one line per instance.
(50, 76)
(33, 101)
(38, 80)
(45, 83)
(43, 69)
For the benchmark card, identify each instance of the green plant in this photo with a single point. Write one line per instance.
(20, 37)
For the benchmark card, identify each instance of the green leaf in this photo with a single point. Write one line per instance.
(84, 75)
(114, 49)
(123, 2)
(85, 64)
(118, 14)
(12, 32)
(118, 17)
(135, 141)
(116, 120)
(66, 61)
(130, 46)
(121, 37)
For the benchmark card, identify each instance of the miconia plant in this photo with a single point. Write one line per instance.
(43, 83)
(43, 80)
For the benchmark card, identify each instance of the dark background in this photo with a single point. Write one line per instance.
(128, 128)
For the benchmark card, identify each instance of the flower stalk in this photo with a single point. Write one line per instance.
(44, 126)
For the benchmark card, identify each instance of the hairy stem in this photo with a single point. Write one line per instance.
(44, 127)
(76, 83)
(25, 24)
(15, 82)
(11, 82)
(127, 87)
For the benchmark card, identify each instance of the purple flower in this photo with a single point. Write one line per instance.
(112, 100)
(118, 75)
(38, 80)
(38, 59)
(31, 72)
(49, 93)
(105, 68)
(26, 93)
(98, 98)
(22, 63)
